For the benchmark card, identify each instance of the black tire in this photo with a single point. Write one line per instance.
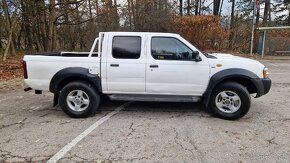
(88, 101)
(231, 89)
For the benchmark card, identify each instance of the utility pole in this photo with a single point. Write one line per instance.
(253, 26)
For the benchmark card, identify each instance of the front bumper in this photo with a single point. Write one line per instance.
(267, 85)
(263, 86)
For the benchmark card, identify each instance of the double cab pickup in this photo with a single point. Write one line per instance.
(141, 66)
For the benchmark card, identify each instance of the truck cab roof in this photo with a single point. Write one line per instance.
(131, 33)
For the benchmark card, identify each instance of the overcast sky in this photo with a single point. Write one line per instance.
(226, 9)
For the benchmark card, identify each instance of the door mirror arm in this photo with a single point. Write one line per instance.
(198, 59)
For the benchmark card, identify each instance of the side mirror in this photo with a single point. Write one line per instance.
(196, 57)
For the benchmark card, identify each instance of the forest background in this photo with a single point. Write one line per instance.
(28, 26)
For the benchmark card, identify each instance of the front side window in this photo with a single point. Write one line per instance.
(126, 47)
(168, 48)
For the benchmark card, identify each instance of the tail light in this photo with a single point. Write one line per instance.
(24, 70)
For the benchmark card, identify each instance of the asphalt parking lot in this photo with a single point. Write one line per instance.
(31, 130)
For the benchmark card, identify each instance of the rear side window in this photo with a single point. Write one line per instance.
(126, 47)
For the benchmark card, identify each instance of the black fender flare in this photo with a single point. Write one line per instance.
(76, 73)
(232, 73)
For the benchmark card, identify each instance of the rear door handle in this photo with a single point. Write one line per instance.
(153, 66)
(114, 65)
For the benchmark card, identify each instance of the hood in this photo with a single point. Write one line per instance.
(224, 56)
(230, 57)
(230, 61)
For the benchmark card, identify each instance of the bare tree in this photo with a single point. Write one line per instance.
(9, 28)
(42, 23)
(196, 7)
(51, 26)
(180, 7)
(216, 7)
(231, 41)
(188, 8)
(266, 11)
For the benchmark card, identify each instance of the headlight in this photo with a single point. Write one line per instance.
(266, 73)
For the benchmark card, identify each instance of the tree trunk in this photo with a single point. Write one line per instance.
(116, 16)
(188, 7)
(266, 11)
(10, 37)
(42, 24)
(180, 7)
(7, 15)
(289, 16)
(8, 45)
(51, 26)
(54, 36)
(8, 26)
(26, 26)
(12, 47)
(97, 8)
(196, 8)
(90, 8)
(216, 7)
(133, 10)
(258, 18)
(200, 6)
(130, 14)
(232, 25)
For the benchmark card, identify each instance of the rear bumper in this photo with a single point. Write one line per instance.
(263, 86)
(26, 87)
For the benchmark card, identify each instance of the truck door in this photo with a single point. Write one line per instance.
(171, 70)
(126, 63)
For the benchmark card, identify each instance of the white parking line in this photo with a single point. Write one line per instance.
(70, 145)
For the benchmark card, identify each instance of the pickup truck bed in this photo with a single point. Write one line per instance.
(43, 66)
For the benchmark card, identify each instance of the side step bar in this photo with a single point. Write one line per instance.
(154, 98)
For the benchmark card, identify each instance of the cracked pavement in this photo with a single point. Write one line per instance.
(31, 130)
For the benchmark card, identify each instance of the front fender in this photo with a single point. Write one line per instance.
(227, 74)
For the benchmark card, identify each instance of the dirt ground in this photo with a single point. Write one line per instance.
(31, 130)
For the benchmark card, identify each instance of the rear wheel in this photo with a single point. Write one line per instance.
(79, 99)
(230, 101)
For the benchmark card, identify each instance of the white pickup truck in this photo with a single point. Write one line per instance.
(139, 66)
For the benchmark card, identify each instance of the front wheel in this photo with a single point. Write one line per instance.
(79, 99)
(230, 101)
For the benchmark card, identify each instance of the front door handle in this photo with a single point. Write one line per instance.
(153, 66)
(114, 65)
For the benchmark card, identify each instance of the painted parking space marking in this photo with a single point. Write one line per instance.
(73, 143)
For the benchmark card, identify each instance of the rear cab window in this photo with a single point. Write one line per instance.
(126, 47)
